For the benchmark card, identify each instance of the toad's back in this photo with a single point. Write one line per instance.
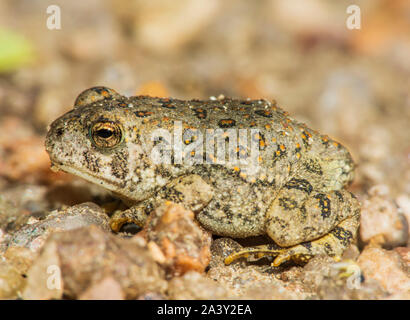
(284, 145)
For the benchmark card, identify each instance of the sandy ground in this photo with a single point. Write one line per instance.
(351, 84)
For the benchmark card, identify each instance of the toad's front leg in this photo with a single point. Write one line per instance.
(191, 191)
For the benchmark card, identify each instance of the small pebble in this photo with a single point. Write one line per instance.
(193, 286)
(11, 281)
(106, 289)
(381, 221)
(34, 235)
(176, 240)
(88, 260)
(386, 267)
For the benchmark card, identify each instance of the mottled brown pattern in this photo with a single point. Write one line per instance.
(296, 196)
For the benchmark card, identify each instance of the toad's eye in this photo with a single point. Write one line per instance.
(106, 134)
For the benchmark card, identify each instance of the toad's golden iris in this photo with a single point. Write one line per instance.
(106, 134)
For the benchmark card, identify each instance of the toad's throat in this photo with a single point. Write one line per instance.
(114, 186)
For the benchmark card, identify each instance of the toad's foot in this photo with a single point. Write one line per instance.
(332, 244)
(135, 215)
(347, 268)
(258, 252)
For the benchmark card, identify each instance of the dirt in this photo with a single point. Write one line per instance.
(350, 84)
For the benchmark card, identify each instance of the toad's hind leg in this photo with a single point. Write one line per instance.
(304, 223)
(332, 244)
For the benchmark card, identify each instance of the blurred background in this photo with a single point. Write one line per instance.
(351, 84)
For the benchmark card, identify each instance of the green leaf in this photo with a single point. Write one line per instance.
(15, 51)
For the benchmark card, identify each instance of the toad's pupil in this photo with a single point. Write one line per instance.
(104, 133)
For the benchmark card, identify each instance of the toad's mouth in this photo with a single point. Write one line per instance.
(114, 186)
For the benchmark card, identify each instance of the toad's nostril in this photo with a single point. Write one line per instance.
(59, 132)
